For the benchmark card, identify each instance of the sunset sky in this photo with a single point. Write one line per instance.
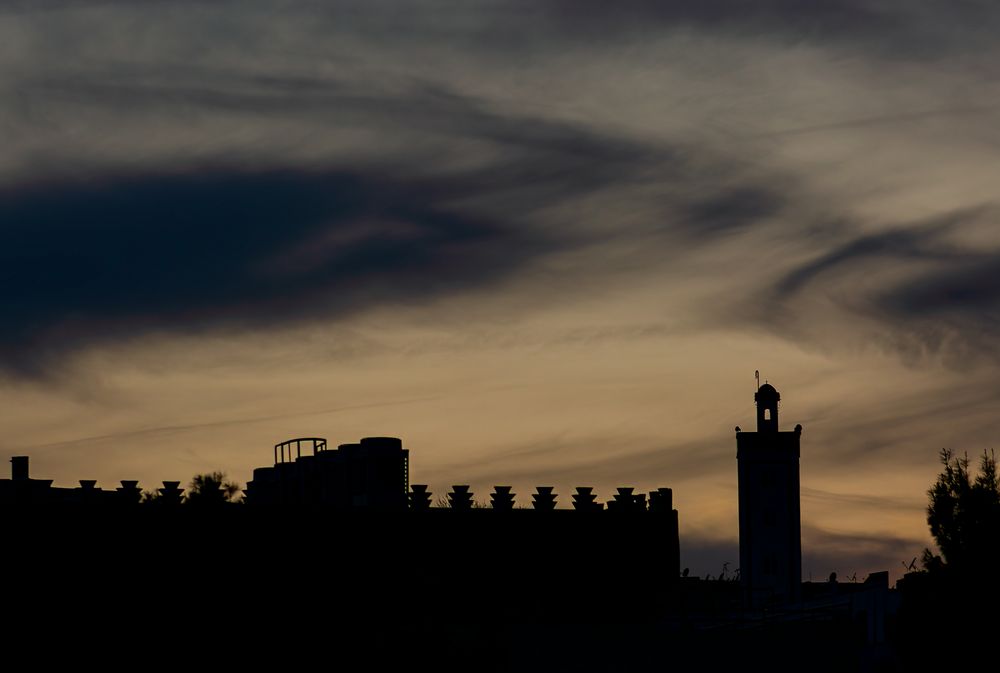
(545, 242)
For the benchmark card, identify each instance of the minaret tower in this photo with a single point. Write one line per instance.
(770, 536)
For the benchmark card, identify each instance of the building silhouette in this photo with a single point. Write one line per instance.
(374, 473)
(770, 531)
(24, 491)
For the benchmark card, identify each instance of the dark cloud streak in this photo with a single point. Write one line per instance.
(820, 15)
(912, 243)
(930, 295)
(883, 27)
(954, 312)
(85, 262)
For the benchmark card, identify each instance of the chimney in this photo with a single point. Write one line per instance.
(19, 468)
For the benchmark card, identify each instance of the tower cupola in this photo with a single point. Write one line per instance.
(767, 408)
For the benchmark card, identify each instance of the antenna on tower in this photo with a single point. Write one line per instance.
(756, 375)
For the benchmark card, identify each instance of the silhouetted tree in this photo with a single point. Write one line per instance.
(964, 514)
(211, 489)
(943, 609)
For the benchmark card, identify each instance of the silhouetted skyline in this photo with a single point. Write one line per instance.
(351, 515)
(545, 244)
(373, 475)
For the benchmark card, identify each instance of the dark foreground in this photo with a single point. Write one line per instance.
(468, 591)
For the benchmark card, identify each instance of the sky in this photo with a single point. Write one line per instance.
(545, 242)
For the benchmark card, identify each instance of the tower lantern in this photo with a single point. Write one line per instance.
(767, 399)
